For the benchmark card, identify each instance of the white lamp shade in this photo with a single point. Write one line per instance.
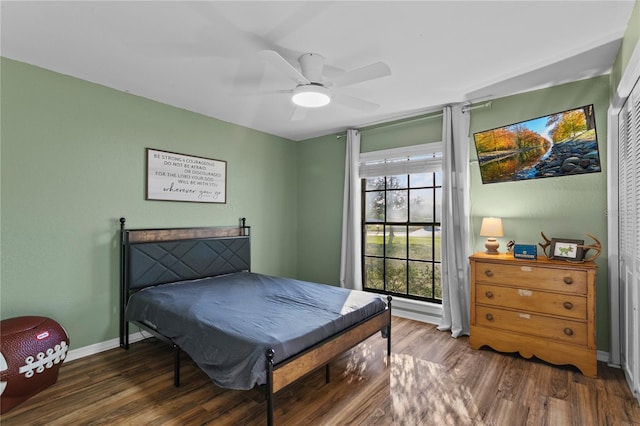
(311, 96)
(491, 227)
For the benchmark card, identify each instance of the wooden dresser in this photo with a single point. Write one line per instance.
(543, 308)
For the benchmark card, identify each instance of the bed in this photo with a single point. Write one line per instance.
(193, 288)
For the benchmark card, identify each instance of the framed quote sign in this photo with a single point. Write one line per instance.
(178, 177)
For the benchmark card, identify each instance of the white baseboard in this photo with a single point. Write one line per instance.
(604, 357)
(103, 346)
(430, 317)
(416, 316)
(429, 313)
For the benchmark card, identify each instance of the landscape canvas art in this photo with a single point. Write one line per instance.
(559, 144)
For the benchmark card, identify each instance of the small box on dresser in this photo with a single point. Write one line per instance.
(542, 308)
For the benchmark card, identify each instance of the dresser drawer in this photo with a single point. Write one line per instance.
(566, 305)
(534, 277)
(554, 328)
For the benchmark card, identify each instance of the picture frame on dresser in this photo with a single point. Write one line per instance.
(566, 249)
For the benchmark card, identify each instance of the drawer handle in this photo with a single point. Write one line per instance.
(489, 317)
(489, 294)
(568, 331)
(568, 280)
(488, 273)
(568, 305)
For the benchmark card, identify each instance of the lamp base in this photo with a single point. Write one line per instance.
(492, 246)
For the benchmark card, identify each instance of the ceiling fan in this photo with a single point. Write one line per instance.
(314, 90)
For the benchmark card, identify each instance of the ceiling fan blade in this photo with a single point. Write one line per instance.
(369, 72)
(283, 66)
(354, 103)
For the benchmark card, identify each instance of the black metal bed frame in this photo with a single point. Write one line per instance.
(158, 256)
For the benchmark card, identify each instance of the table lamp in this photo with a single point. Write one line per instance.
(492, 228)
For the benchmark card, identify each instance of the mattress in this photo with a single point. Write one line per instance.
(227, 323)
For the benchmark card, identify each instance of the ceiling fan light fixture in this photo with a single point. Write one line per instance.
(311, 96)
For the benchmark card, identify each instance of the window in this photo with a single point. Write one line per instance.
(401, 214)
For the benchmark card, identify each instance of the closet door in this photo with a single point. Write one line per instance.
(629, 237)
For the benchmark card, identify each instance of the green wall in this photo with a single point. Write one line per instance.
(73, 162)
(629, 42)
(561, 207)
(320, 188)
(321, 185)
(401, 133)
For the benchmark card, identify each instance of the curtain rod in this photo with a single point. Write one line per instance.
(397, 122)
(394, 122)
(471, 107)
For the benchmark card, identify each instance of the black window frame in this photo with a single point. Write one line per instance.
(435, 262)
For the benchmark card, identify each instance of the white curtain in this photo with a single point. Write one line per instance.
(350, 260)
(455, 222)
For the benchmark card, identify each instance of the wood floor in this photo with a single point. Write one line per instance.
(430, 379)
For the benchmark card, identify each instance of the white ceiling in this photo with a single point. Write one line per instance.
(203, 56)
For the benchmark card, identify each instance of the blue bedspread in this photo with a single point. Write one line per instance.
(227, 323)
